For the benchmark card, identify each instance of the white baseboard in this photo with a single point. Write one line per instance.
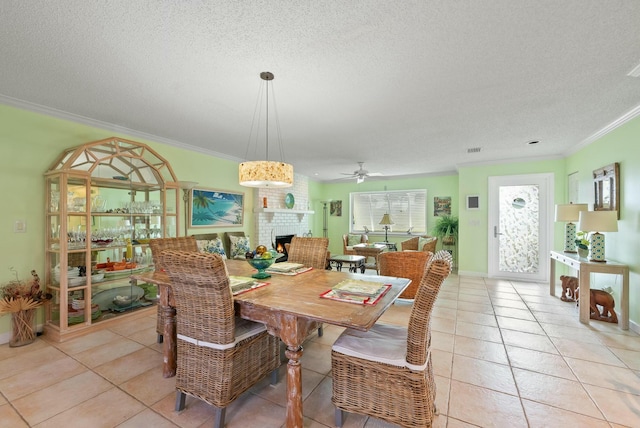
(472, 273)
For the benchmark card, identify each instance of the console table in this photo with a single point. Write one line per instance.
(585, 268)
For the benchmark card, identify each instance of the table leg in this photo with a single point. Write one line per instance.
(362, 267)
(339, 266)
(585, 296)
(552, 277)
(624, 304)
(292, 330)
(294, 388)
(170, 344)
(170, 340)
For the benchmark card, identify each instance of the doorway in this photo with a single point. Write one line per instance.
(520, 226)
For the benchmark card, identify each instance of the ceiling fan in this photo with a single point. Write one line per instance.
(361, 173)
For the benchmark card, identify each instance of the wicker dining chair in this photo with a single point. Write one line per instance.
(183, 243)
(220, 356)
(387, 372)
(312, 252)
(308, 251)
(405, 264)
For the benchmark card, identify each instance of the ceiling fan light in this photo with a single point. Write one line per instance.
(359, 180)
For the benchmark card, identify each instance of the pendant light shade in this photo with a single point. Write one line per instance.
(266, 173)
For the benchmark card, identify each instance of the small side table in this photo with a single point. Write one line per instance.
(391, 246)
(355, 262)
(370, 250)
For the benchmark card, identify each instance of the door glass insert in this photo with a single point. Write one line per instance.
(519, 227)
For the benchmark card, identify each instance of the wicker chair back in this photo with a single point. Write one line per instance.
(204, 303)
(183, 243)
(309, 251)
(419, 328)
(405, 264)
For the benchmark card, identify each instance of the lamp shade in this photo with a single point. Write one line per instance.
(386, 220)
(569, 212)
(598, 221)
(265, 174)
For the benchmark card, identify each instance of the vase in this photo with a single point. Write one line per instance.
(23, 327)
(583, 253)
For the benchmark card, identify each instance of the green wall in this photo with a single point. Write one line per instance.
(441, 185)
(474, 180)
(621, 145)
(30, 142)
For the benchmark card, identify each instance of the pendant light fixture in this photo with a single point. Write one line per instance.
(266, 173)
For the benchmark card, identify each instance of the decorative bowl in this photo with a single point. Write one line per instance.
(97, 276)
(263, 264)
(124, 301)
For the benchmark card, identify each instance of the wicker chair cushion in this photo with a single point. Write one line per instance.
(353, 240)
(383, 343)
(213, 246)
(244, 329)
(424, 241)
(239, 246)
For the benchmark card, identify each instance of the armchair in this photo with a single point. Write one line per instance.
(349, 240)
(412, 243)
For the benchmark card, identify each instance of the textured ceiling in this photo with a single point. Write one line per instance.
(405, 86)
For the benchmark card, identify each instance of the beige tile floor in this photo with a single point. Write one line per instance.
(505, 354)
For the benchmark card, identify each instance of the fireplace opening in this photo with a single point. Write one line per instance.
(279, 246)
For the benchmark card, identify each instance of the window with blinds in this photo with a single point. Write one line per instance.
(407, 209)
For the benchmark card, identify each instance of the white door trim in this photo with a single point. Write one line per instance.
(545, 182)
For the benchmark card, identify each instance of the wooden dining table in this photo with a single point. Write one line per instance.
(290, 306)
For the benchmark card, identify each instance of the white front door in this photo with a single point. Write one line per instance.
(520, 226)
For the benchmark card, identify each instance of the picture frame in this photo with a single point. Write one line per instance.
(606, 186)
(441, 206)
(335, 208)
(473, 202)
(215, 208)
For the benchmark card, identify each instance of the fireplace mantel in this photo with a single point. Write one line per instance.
(282, 210)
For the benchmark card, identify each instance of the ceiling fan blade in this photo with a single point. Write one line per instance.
(349, 173)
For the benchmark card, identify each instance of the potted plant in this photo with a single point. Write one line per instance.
(582, 243)
(446, 229)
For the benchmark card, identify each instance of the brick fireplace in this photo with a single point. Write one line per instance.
(277, 220)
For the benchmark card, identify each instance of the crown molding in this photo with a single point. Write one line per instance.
(83, 120)
(630, 115)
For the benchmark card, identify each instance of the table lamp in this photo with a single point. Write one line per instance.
(569, 213)
(598, 221)
(386, 222)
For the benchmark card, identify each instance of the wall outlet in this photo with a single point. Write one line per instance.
(19, 226)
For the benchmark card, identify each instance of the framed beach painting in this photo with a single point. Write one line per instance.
(212, 208)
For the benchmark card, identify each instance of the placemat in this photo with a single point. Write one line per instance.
(290, 272)
(243, 284)
(357, 299)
